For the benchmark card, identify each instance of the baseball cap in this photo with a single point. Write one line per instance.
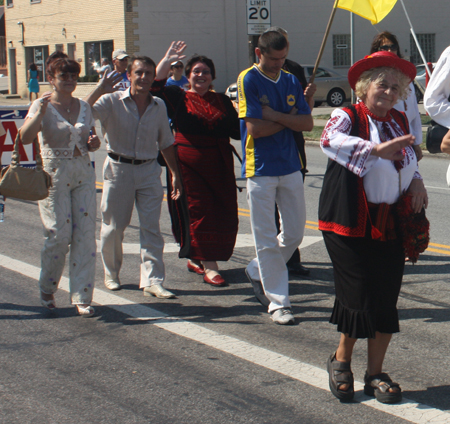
(177, 61)
(120, 54)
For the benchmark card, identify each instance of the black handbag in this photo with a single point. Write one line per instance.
(435, 134)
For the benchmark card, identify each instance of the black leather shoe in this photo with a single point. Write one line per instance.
(258, 290)
(298, 269)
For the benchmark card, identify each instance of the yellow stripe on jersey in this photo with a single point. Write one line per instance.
(301, 161)
(241, 93)
(249, 156)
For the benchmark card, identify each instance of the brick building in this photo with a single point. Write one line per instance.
(89, 29)
(86, 30)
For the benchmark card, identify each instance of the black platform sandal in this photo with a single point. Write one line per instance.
(340, 373)
(378, 385)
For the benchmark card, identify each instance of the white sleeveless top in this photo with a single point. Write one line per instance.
(59, 137)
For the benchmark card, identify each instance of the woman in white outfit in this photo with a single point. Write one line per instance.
(385, 41)
(65, 128)
(437, 97)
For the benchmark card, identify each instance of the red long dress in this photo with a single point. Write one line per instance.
(205, 217)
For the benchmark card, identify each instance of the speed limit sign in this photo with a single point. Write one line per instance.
(258, 16)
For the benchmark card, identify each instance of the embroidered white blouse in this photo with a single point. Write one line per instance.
(411, 109)
(437, 93)
(59, 137)
(381, 179)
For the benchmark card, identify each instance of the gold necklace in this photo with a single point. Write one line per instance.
(66, 109)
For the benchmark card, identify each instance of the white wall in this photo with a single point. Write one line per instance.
(218, 29)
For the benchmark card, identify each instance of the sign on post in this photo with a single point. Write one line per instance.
(11, 119)
(258, 16)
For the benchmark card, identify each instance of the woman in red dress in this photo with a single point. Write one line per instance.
(204, 219)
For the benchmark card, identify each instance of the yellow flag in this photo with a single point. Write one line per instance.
(373, 10)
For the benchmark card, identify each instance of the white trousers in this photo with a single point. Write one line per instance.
(124, 186)
(68, 215)
(272, 250)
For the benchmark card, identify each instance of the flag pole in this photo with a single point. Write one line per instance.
(416, 40)
(322, 47)
(352, 46)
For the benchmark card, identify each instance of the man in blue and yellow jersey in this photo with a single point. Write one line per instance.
(271, 107)
(294, 264)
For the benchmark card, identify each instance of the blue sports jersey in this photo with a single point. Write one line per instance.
(276, 154)
(182, 83)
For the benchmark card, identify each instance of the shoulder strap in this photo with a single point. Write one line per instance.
(360, 123)
(401, 119)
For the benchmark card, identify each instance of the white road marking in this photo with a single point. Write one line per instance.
(242, 240)
(408, 410)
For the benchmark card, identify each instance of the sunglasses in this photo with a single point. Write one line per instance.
(64, 76)
(202, 72)
(178, 66)
(388, 47)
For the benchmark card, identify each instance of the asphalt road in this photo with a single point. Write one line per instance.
(212, 355)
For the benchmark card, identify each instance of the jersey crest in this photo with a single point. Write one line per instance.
(264, 100)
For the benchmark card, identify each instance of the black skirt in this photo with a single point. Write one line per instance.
(368, 276)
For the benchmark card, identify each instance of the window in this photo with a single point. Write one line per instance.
(322, 73)
(341, 50)
(35, 1)
(427, 44)
(3, 62)
(94, 52)
(71, 48)
(37, 55)
(9, 3)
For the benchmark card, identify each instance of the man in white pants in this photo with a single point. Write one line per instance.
(135, 126)
(271, 107)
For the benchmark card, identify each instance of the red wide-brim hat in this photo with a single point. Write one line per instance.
(377, 60)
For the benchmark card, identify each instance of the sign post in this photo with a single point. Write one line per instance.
(258, 21)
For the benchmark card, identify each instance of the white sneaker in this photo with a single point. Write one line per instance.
(158, 290)
(112, 284)
(283, 316)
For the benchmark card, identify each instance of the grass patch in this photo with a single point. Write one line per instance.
(326, 116)
(425, 119)
(315, 134)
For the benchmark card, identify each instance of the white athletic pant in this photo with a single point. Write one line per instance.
(124, 186)
(272, 250)
(68, 215)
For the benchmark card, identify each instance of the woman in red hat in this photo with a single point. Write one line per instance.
(371, 162)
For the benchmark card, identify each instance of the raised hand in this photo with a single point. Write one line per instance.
(107, 83)
(175, 51)
(310, 90)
